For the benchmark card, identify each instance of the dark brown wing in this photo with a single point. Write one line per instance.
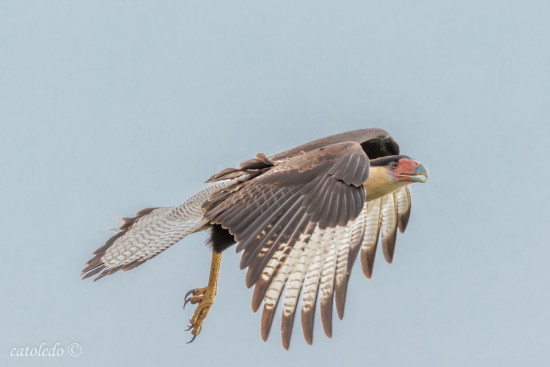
(321, 188)
(311, 196)
(375, 143)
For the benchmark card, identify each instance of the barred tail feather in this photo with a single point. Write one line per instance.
(149, 233)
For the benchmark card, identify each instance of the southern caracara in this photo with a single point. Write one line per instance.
(300, 218)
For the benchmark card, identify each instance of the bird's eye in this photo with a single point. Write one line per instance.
(394, 164)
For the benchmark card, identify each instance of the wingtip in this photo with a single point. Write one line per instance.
(388, 247)
(286, 335)
(326, 318)
(340, 297)
(258, 295)
(264, 334)
(266, 322)
(340, 313)
(367, 262)
(367, 272)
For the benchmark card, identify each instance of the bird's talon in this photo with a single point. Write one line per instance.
(203, 298)
(189, 293)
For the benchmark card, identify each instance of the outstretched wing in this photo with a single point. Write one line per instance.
(383, 217)
(301, 210)
(319, 268)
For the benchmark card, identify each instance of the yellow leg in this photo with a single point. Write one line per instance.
(204, 297)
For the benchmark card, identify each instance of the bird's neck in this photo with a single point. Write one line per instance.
(380, 183)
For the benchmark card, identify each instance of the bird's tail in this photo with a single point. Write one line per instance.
(149, 233)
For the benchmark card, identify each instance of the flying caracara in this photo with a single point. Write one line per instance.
(300, 218)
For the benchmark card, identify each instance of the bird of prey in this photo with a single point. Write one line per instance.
(300, 218)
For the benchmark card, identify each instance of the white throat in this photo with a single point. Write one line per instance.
(381, 183)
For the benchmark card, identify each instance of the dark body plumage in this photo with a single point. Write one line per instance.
(220, 238)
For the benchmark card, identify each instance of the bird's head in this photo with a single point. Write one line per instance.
(387, 174)
(403, 168)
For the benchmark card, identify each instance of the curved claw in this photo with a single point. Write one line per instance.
(192, 339)
(187, 297)
(189, 327)
(188, 294)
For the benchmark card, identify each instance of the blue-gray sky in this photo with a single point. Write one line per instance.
(107, 107)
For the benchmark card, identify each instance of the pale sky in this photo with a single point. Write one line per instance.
(107, 107)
